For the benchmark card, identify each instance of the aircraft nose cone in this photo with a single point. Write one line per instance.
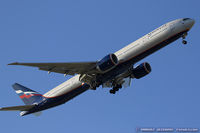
(190, 23)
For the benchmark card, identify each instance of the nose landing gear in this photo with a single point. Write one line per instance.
(183, 37)
(184, 42)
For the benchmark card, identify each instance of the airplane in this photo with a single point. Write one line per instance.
(114, 71)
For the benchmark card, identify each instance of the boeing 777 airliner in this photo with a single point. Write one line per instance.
(115, 70)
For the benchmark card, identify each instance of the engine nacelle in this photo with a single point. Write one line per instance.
(141, 70)
(107, 63)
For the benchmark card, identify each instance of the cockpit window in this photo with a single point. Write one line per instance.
(185, 19)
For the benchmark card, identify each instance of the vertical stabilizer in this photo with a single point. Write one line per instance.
(27, 95)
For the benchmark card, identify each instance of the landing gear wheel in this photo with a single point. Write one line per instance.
(94, 85)
(116, 89)
(184, 42)
(112, 91)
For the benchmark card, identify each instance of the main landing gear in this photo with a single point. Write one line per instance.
(115, 88)
(183, 37)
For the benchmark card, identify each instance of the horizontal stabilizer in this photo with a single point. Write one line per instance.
(37, 113)
(17, 108)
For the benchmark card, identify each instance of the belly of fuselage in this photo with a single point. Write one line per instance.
(124, 65)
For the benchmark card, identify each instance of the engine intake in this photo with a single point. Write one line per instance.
(107, 63)
(141, 70)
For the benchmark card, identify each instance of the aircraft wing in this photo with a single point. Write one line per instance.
(64, 68)
(17, 108)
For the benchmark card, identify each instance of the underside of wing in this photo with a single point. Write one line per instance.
(17, 108)
(64, 68)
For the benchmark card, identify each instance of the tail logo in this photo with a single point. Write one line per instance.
(27, 94)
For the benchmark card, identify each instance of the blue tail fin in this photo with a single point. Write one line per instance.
(27, 95)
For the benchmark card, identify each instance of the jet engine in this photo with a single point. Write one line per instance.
(107, 63)
(141, 70)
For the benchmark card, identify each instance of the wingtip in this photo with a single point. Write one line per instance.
(15, 63)
(15, 84)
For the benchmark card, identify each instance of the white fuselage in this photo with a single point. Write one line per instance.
(137, 47)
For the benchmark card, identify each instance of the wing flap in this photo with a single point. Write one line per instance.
(17, 108)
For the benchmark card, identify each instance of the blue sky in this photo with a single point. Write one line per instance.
(77, 30)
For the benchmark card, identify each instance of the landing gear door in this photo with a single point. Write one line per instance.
(127, 82)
